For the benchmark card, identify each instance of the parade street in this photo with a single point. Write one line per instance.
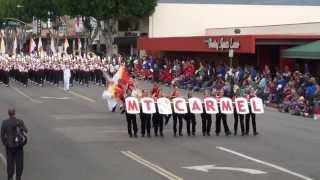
(72, 136)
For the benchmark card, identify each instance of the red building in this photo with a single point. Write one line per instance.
(257, 50)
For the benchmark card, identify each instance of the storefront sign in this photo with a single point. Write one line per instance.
(223, 44)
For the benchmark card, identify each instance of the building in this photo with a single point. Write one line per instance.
(251, 31)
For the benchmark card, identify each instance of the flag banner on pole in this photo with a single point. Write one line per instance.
(52, 47)
(2, 46)
(15, 46)
(65, 45)
(32, 46)
(40, 47)
(179, 105)
(121, 75)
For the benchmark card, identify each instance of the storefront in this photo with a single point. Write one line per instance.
(258, 50)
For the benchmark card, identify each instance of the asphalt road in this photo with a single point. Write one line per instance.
(73, 136)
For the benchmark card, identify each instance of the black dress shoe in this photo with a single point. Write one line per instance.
(203, 134)
(255, 133)
(161, 134)
(114, 109)
(148, 135)
(193, 134)
(208, 134)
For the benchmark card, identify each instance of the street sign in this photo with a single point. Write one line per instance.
(206, 168)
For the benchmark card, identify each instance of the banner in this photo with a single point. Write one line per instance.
(180, 105)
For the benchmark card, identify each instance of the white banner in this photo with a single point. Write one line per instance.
(226, 105)
(164, 106)
(211, 105)
(179, 105)
(148, 105)
(241, 105)
(132, 105)
(195, 106)
(256, 105)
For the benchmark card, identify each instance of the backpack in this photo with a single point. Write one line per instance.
(20, 137)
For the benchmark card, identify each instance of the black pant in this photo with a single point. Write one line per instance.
(238, 117)
(191, 120)
(14, 162)
(206, 123)
(132, 124)
(157, 120)
(5, 78)
(222, 117)
(176, 118)
(145, 123)
(253, 118)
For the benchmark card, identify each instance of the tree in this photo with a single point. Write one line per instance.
(106, 12)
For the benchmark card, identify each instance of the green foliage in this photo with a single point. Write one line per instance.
(99, 9)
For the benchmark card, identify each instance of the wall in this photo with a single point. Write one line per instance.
(296, 29)
(172, 20)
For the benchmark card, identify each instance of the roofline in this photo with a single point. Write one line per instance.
(256, 36)
(272, 25)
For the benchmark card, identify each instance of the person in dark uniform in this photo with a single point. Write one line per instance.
(14, 152)
(191, 119)
(220, 116)
(206, 119)
(251, 94)
(177, 118)
(131, 121)
(237, 116)
(157, 118)
(145, 119)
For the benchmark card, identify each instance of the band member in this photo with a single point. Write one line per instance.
(145, 119)
(206, 119)
(220, 116)
(155, 89)
(66, 77)
(191, 119)
(251, 94)
(177, 117)
(131, 120)
(237, 116)
(157, 119)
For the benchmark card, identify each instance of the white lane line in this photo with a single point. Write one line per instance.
(265, 163)
(151, 166)
(57, 98)
(3, 159)
(80, 96)
(25, 95)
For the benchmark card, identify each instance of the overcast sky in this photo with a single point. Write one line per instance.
(262, 2)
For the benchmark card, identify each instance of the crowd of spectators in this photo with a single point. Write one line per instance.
(288, 90)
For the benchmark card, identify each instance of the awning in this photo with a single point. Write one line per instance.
(306, 51)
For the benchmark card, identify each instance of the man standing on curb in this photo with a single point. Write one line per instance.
(13, 138)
